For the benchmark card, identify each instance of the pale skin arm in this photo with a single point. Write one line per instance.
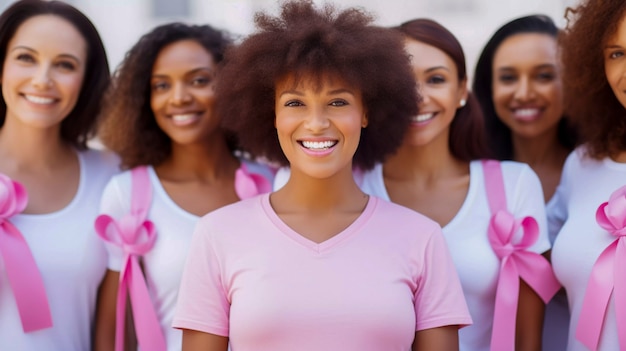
(437, 339)
(194, 340)
(529, 326)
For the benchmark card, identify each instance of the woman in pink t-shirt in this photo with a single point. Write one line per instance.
(319, 265)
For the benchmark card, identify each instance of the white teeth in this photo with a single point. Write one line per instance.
(526, 112)
(318, 145)
(183, 118)
(423, 117)
(39, 100)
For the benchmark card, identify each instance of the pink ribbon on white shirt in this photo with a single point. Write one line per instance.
(22, 272)
(608, 275)
(250, 184)
(135, 236)
(516, 262)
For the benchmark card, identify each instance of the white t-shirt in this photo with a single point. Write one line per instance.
(466, 235)
(585, 184)
(163, 265)
(368, 288)
(72, 262)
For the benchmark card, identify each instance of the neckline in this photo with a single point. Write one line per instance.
(474, 166)
(160, 190)
(327, 244)
(73, 203)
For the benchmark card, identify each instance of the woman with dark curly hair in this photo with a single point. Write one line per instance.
(54, 73)
(438, 172)
(326, 267)
(160, 119)
(585, 256)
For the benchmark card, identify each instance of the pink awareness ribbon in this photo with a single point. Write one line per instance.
(250, 184)
(22, 272)
(608, 275)
(516, 261)
(135, 236)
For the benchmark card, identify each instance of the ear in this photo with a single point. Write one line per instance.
(463, 93)
(364, 121)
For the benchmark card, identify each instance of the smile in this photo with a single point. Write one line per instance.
(185, 119)
(39, 100)
(423, 117)
(319, 145)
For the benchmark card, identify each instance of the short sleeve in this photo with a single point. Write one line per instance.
(528, 201)
(439, 299)
(202, 300)
(115, 205)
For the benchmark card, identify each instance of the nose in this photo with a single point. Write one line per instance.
(42, 80)
(317, 120)
(524, 90)
(180, 95)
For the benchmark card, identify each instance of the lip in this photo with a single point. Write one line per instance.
(527, 114)
(186, 118)
(423, 118)
(318, 147)
(39, 100)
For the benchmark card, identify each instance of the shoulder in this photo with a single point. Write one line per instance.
(397, 217)
(241, 214)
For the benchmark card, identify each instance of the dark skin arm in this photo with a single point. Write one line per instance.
(104, 338)
(529, 326)
(437, 339)
(194, 340)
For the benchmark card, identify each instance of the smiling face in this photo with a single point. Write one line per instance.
(527, 89)
(318, 125)
(615, 62)
(182, 94)
(43, 71)
(441, 91)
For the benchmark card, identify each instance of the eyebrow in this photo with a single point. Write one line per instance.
(543, 65)
(612, 47)
(332, 92)
(193, 71)
(70, 56)
(436, 68)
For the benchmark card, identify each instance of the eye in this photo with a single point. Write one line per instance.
(338, 103)
(25, 58)
(160, 86)
(436, 79)
(615, 54)
(200, 81)
(546, 76)
(66, 65)
(507, 78)
(293, 103)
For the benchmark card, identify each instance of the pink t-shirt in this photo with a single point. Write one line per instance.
(250, 277)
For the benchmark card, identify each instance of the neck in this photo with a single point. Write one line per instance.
(427, 163)
(26, 148)
(207, 161)
(542, 151)
(305, 193)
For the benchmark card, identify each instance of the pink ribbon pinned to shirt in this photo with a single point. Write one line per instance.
(22, 272)
(608, 275)
(516, 263)
(135, 236)
(250, 184)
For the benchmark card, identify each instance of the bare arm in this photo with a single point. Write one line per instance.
(194, 340)
(530, 311)
(104, 339)
(437, 339)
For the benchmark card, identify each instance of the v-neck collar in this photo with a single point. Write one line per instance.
(327, 244)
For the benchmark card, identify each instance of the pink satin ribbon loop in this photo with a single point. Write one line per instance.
(516, 263)
(136, 238)
(608, 276)
(22, 272)
(249, 184)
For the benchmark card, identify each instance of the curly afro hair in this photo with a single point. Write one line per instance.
(317, 43)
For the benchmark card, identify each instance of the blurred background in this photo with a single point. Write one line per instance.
(122, 22)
